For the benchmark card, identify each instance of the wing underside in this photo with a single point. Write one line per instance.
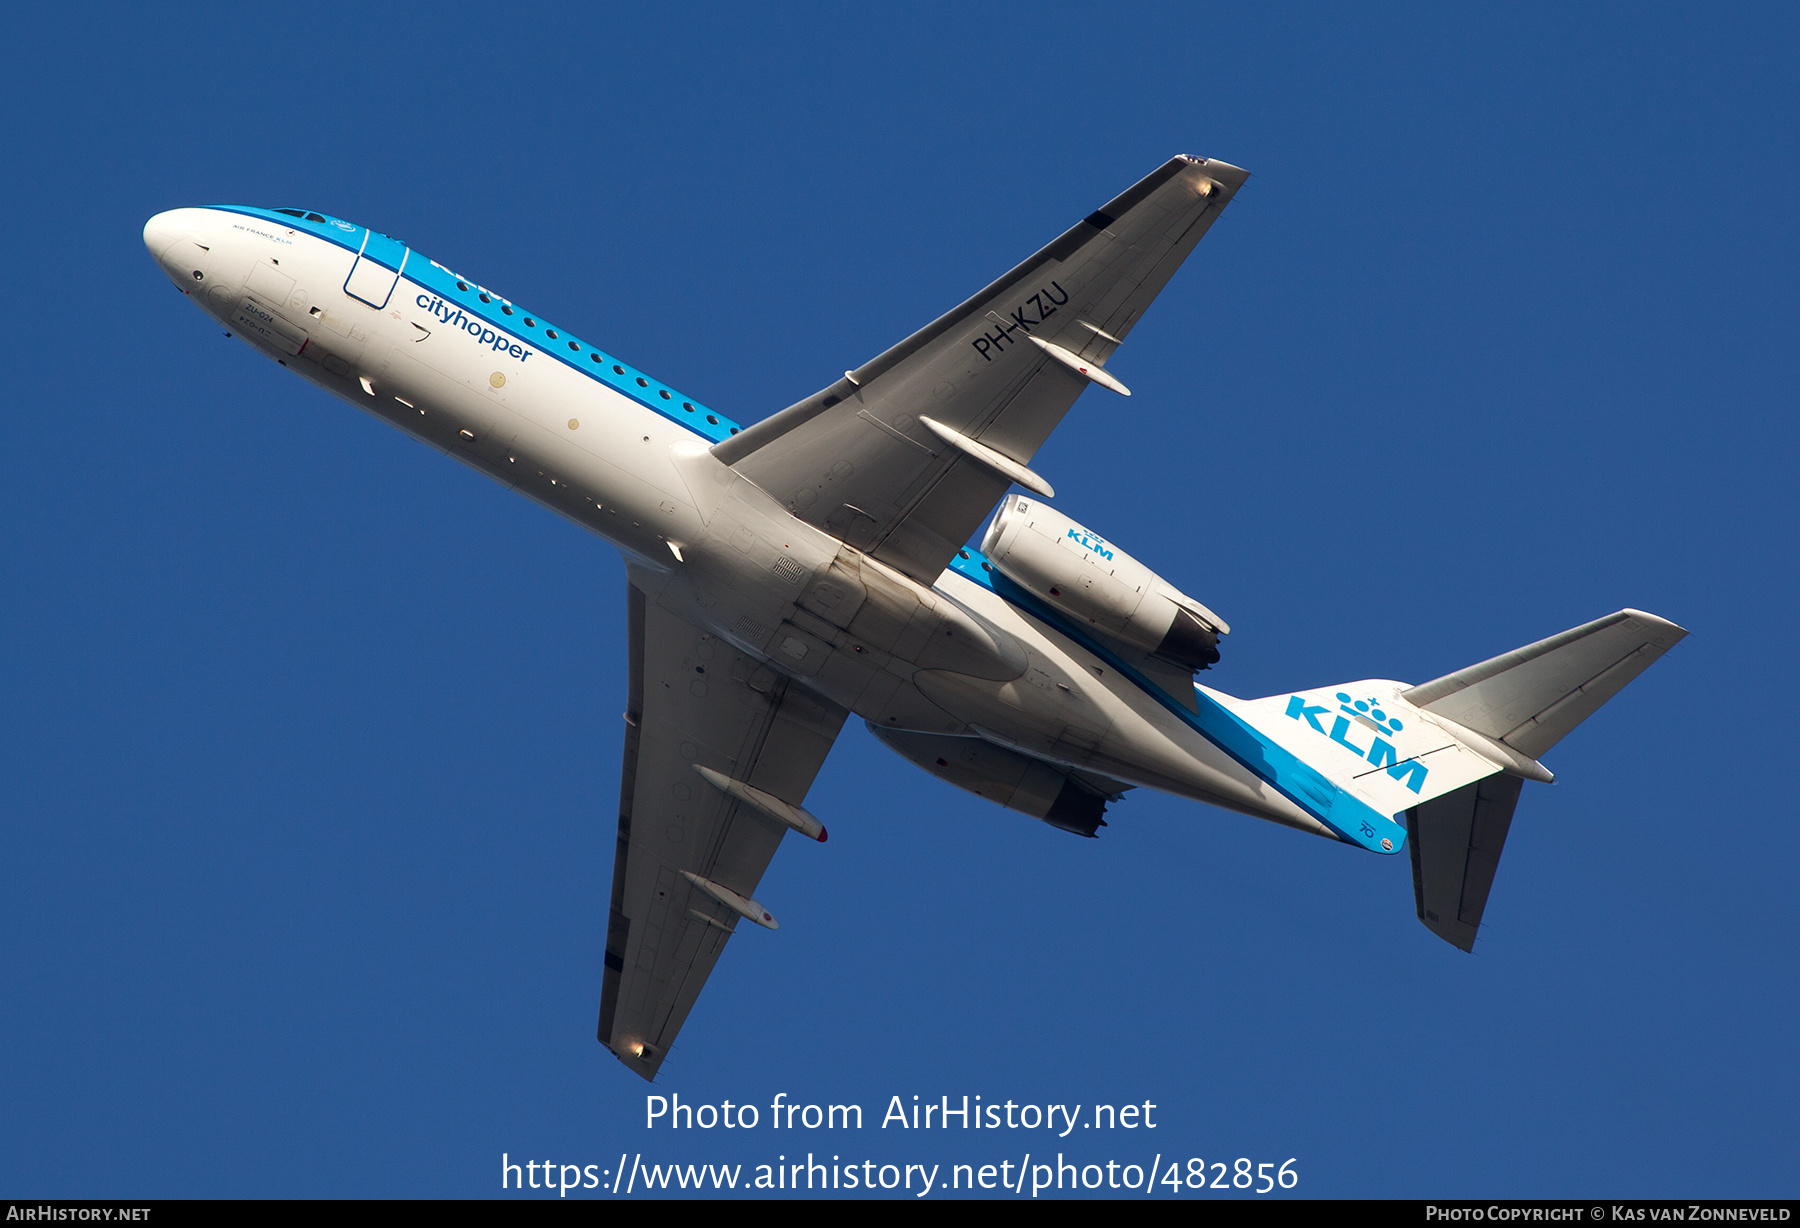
(859, 459)
(695, 702)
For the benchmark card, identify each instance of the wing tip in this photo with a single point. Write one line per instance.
(1674, 632)
(643, 1062)
(1225, 172)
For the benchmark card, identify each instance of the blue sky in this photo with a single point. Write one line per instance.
(311, 737)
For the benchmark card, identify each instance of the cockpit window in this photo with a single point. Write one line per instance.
(292, 212)
(314, 217)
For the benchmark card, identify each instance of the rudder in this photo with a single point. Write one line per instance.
(1456, 841)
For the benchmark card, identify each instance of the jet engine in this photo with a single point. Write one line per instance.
(1099, 585)
(1072, 801)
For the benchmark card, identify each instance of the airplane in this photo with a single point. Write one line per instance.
(816, 564)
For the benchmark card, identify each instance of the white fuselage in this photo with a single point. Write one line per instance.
(525, 405)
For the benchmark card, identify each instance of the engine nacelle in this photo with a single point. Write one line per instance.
(1016, 781)
(1091, 580)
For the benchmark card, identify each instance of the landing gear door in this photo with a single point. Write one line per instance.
(378, 267)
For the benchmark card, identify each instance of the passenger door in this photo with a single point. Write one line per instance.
(378, 267)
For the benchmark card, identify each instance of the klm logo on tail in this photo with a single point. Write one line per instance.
(1410, 772)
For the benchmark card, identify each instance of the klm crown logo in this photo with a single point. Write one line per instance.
(1367, 709)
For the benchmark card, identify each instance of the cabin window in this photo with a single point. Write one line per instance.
(664, 394)
(530, 323)
(688, 405)
(642, 382)
(576, 346)
(550, 333)
(713, 418)
(484, 298)
(617, 369)
(505, 310)
(462, 285)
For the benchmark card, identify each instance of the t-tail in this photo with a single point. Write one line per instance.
(1452, 754)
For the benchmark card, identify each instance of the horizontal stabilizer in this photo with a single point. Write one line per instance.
(1530, 698)
(1456, 842)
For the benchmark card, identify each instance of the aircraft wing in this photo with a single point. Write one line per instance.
(859, 459)
(694, 702)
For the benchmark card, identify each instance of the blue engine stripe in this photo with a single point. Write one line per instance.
(1354, 821)
(429, 275)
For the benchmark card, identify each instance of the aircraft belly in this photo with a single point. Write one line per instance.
(1144, 743)
(747, 604)
(907, 658)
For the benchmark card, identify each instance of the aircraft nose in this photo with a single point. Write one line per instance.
(181, 243)
(162, 230)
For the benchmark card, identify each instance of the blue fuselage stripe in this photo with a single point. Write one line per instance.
(1275, 766)
(431, 276)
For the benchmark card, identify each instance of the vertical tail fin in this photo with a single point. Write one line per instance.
(1456, 841)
